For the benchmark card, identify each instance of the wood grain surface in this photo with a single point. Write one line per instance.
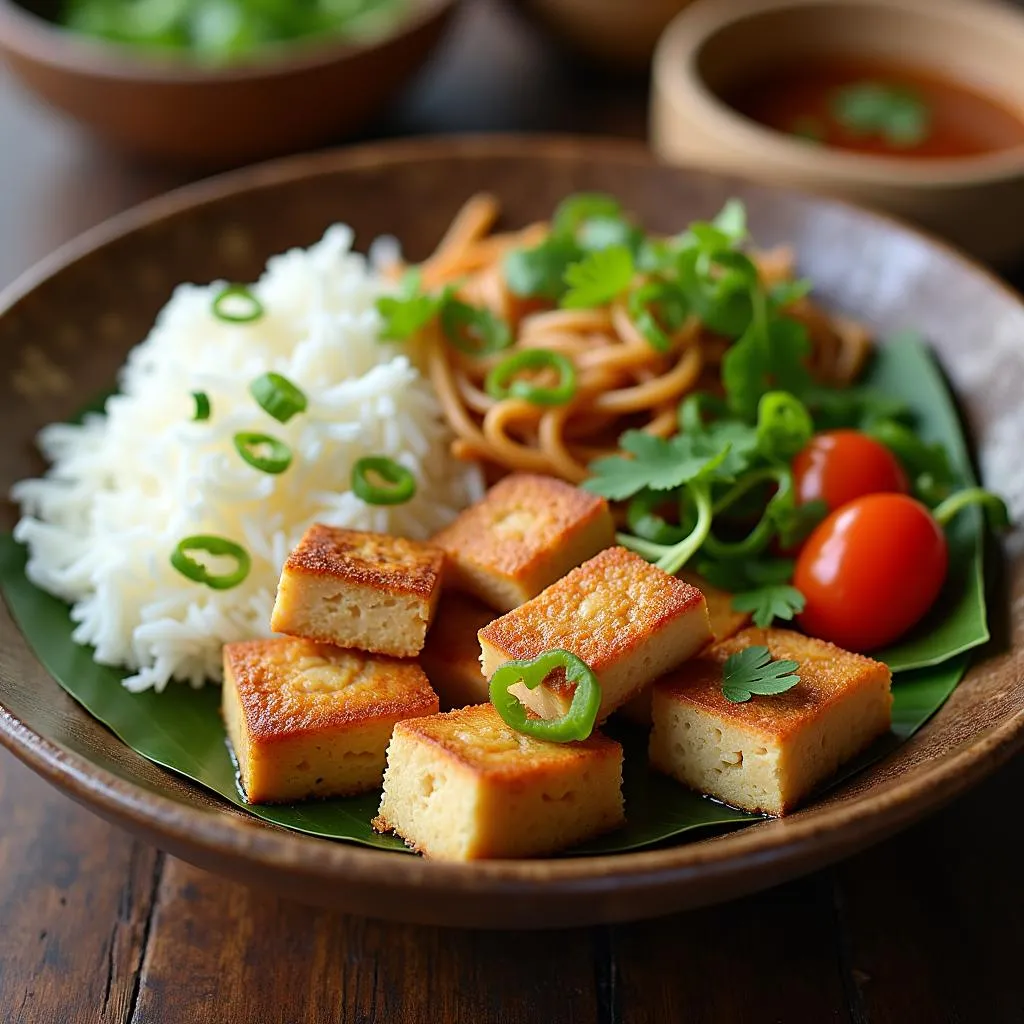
(95, 927)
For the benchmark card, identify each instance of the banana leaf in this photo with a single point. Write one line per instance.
(181, 728)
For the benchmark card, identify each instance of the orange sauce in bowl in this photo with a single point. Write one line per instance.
(878, 108)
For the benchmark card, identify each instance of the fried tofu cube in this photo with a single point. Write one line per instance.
(767, 754)
(725, 622)
(527, 532)
(311, 720)
(464, 786)
(628, 620)
(363, 590)
(451, 655)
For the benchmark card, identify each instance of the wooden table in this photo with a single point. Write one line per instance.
(95, 927)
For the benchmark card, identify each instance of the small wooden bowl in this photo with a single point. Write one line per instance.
(976, 202)
(614, 33)
(290, 97)
(66, 327)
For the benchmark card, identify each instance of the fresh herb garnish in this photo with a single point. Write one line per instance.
(752, 671)
(895, 113)
(540, 272)
(770, 602)
(599, 278)
(407, 312)
(472, 329)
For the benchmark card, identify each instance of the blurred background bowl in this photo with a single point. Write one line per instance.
(976, 202)
(287, 97)
(619, 34)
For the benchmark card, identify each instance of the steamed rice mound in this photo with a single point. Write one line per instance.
(126, 486)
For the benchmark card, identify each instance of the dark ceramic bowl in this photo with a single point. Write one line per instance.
(80, 312)
(286, 98)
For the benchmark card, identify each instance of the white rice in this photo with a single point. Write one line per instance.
(126, 486)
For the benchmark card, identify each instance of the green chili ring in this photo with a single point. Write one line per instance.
(576, 724)
(212, 545)
(278, 459)
(252, 307)
(500, 382)
(401, 483)
(202, 400)
(278, 396)
(641, 305)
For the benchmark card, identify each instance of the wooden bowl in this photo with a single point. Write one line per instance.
(616, 34)
(976, 202)
(65, 329)
(290, 97)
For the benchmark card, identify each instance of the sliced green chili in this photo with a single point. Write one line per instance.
(576, 724)
(274, 458)
(278, 396)
(218, 546)
(236, 304)
(401, 484)
(501, 383)
(202, 400)
(475, 331)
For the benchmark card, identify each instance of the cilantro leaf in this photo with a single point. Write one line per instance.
(783, 426)
(574, 210)
(603, 232)
(407, 312)
(770, 602)
(855, 406)
(739, 575)
(473, 329)
(899, 115)
(731, 220)
(598, 278)
(752, 670)
(657, 464)
(540, 272)
(765, 360)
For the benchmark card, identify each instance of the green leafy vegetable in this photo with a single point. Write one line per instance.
(473, 330)
(895, 113)
(770, 602)
(540, 272)
(599, 278)
(575, 210)
(752, 670)
(408, 312)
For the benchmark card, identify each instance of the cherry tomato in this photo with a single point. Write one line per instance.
(870, 571)
(840, 465)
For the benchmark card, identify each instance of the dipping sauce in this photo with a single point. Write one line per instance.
(877, 108)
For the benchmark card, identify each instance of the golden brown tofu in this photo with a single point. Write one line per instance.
(464, 786)
(363, 590)
(628, 620)
(527, 532)
(725, 622)
(310, 720)
(767, 754)
(451, 655)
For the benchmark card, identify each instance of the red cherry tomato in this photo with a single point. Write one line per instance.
(870, 571)
(840, 465)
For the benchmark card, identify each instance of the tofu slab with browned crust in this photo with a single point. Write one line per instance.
(628, 620)
(451, 655)
(370, 591)
(312, 720)
(725, 622)
(768, 753)
(525, 533)
(464, 786)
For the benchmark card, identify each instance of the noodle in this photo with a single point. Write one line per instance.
(622, 380)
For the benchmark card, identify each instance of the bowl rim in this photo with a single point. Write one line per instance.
(676, 75)
(53, 45)
(836, 831)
